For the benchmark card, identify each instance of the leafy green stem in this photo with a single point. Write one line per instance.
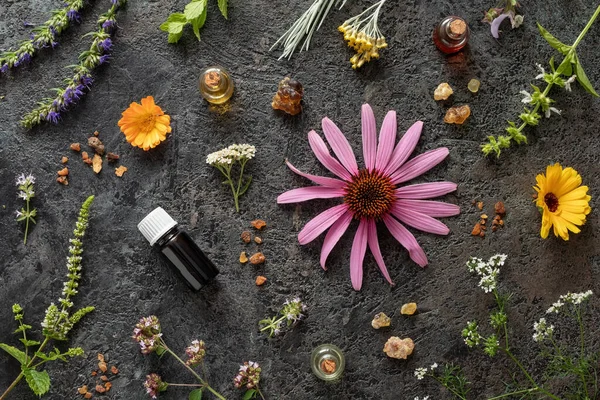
(451, 389)
(587, 28)
(22, 374)
(524, 391)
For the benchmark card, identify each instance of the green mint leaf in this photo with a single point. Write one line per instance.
(16, 353)
(195, 394)
(223, 7)
(552, 41)
(39, 382)
(565, 67)
(196, 25)
(174, 24)
(174, 37)
(583, 79)
(249, 394)
(29, 343)
(194, 9)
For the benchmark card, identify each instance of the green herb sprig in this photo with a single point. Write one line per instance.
(57, 322)
(193, 14)
(26, 192)
(42, 36)
(569, 69)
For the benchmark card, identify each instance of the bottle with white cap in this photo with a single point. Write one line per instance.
(178, 247)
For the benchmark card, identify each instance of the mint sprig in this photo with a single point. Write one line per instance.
(194, 14)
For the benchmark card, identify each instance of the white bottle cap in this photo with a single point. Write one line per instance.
(156, 224)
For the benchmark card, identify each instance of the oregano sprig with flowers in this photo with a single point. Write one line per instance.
(26, 192)
(194, 14)
(147, 333)
(290, 314)
(57, 323)
(50, 109)
(363, 35)
(303, 29)
(564, 75)
(42, 36)
(248, 378)
(572, 364)
(225, 159)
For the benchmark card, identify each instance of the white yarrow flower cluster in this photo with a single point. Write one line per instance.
(569, 298)
(542, 330)
(487, 271)
(235, 152)
(421, 372)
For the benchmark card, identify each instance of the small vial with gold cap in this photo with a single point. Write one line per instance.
(451, 34)
(216, 85)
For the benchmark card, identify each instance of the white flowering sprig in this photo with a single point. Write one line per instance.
(50, 109)
(42, 36)
(148, 334)
(495, 15)
(290, 314)
(26, 192)
(569, 70)
(248, 377)
(565, 300)
(57, 322)
(303, 29)
(225, 159)
(363, 35)
(542, 331)
(449, 376)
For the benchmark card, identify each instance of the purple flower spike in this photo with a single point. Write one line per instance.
(104, 58)
(87, 80)
(105, 45)
(74, 15)
(25, 58)
(108, 25)
(4, 68)
(53, 117)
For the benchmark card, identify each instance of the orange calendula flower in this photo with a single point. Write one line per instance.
(563, 201)
(145, 125)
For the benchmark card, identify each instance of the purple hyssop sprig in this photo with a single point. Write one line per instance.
(42, 36)
(50, 110)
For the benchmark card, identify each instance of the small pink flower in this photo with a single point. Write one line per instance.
(373, 194)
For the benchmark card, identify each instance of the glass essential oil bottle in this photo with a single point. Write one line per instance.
(216, 85)
(327, 362)
(178, 247)
(451, 34)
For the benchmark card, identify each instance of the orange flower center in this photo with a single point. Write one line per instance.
(370, 194)
(551, 201)
(147, 122)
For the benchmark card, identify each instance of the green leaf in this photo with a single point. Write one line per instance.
(174, 24)
(552, 41)
(194, 9)
(565, 66)
(39, 382)
(246, 186)
(174, 37)
(29, 343)
(249, 394)
(582, 78)
(195, 394)
(199, 23)
(16, 353)
(223, 7)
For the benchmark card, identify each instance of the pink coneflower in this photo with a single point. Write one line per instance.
(373, 193)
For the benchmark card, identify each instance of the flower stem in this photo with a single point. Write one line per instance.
(202, 381)
(532, 390)
(18, 378)
(457, 394)
(528, 376)
(185, 384)
(260, 393)
(587, 28)
(26, 223)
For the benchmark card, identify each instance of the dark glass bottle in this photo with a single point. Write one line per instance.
(451, 34)
(178, 247)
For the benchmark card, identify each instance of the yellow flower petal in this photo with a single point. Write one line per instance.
(145, 125)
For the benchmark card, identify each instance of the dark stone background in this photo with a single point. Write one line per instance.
(125, 279)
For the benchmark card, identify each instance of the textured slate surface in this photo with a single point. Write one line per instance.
(125, 280)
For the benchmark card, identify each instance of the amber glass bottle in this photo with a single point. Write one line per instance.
(451, 34)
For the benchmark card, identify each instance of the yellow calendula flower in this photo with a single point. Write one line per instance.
(145, 125)
(563, 201)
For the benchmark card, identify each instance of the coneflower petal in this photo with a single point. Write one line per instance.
(419, 165)
(406, 239)
(357, 255)
(429, 207)
(321, 151)
(420, 221)
(373, 242)
(425, 190)
(404, 148)
(309, 193)
(333, 236)
(340, 146)
(320, 223)
(369, 136)
(320, 180)
(387, 138)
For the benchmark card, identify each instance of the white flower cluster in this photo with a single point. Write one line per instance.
(25, 185)
(542, 330)
(421, 372)
(487, 271)
(424, 398)
(235, 152)
(569, 298)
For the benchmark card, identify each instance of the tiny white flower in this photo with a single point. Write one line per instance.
(553, 109)
(434, 366)
(420, 373)
(542, 70)
(527, 98)
(569, 81)
(517, 21)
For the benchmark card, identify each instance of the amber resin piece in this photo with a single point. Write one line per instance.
(408, 309)
(399, 348)
(380, 321)
(457, 115)
(288, 96)
(442, 92)
(474, 85)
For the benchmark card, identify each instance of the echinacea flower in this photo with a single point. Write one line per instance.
(564, 203)
(145, 125)
(372, 194)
